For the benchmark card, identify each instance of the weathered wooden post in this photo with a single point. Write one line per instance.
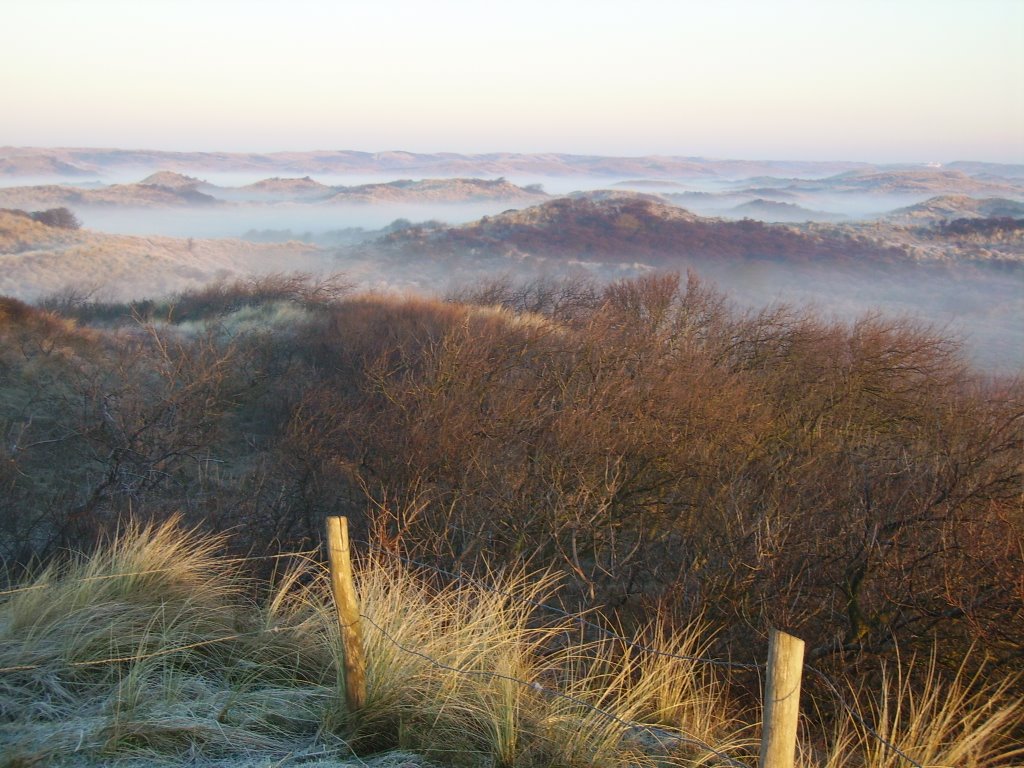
(781, 700)
(347, 603)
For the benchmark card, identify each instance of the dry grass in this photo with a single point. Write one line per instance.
(156, 650)
(964, 723)
(36, 261)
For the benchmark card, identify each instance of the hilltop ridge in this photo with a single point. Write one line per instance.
(612, 226)
(956, 207)
(173, 189)
(79, 161)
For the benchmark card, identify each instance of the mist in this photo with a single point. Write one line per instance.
(980, 307)
(976, 302)
(306, 221)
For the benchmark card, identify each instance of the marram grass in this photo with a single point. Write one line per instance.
(157, 651)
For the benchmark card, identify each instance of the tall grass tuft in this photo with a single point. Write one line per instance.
(156, 650)
(964, 722)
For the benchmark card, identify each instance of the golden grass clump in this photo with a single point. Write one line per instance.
(964, 722)
(157, 649)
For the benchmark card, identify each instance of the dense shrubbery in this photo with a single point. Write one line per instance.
(854, 484)
(62, 218)
(981, 227)
(652, 232)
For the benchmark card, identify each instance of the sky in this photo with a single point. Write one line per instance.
(871, 80)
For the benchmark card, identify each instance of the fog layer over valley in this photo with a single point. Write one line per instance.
(941, 244)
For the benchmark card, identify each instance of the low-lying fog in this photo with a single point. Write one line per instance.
(704, 196)
(306, 221)
(982, 305)
(979, 305)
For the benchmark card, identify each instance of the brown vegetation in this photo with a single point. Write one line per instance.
(854, 484)
(619, 227)
(61, 218)
(981, 228)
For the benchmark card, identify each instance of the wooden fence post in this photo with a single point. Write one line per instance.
(781, 700)
(347, 603)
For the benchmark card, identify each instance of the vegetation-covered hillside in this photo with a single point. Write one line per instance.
(620, 227)
(660, 452)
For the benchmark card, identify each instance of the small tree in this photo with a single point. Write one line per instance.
(58, 217)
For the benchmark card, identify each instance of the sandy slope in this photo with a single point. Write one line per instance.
(36, 260)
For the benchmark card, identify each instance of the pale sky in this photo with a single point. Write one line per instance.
(875, 80)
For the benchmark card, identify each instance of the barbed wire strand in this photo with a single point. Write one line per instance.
(837, 693)
(628, 724)
(567, 614)
(829, 683)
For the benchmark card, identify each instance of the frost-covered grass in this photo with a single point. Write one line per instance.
(157, 650)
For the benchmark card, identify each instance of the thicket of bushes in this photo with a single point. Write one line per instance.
(650, 231)
(855, 484)
(985, 227)
(63, 218)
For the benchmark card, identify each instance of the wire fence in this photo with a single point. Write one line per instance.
(577, 617)
(658, 734)
(837, 693)
(630, 725)
(830, 684)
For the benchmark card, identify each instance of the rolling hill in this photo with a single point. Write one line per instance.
(918, 181)
(945, 207)
(36, 260)
(76, 161)
(172, 189)
(437, 191)
(141, 195)
(615, 227)
(774, 211)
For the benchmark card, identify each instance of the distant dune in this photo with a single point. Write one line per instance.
(624, 227)
(774, 211)
(171, 189)
(172, 180)
(990, 170)
(278, 188)
(891, 182)
(437, 191)
(43, 163)
(142, 195)
(612, 227)
(36, 260)
(79, 161)
(945, 207)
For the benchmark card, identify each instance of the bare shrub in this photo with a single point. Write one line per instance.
(62, 218)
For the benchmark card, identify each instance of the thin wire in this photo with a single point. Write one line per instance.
(857, 716)
(629, 724)
(16, 590)
(568, 614)
(646, 648)
(477, 582)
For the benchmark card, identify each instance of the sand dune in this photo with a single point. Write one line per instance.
(36, 260)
